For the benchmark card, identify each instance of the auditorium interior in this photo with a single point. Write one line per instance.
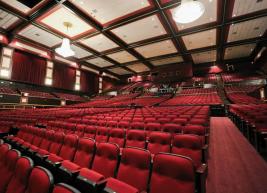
(133, 96)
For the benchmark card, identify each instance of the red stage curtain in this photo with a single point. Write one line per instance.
(89, 82)
(64, 76)
(28, 68)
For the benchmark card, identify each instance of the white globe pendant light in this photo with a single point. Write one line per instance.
(65, 49)
(188, 11)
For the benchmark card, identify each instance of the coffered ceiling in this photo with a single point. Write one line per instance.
(135, 36)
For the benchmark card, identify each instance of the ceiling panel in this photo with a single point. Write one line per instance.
(122, 57)
(51, 19)
(210, 15)
(248, 29)
(138, 67)
(6, 19)
(18, 5)
(204, 57)
(171, 60)
(100, 62)
(41, 36)
(99, 43)
(239, 51)
(150, 27)
(200, 40)
(157, 49)
(105, 11)
(119, 71)
(242, 7)
(79, 52)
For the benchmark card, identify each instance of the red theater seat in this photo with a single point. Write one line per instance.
(172, 128)
(153, 127)
(136, 138)
(40, 180)
(172, 174)
(19, 180)
(7, 168)
(83, 156)
(190, 146)
(102, 134)
(133, 170)
(137, 125)
(67, 150)
(117, 136)
(90, 131)
(159, 142)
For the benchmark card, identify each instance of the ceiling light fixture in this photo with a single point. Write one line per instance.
(188, 11)
(65, 49)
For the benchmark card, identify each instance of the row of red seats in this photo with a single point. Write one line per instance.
(132, 174)
(252, 121)
(243, 88)
(34, 93)
(196, 91)
(243, 98)
(8, 91)
(201, 99)
(18, 175)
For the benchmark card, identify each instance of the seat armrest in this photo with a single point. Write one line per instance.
(56, 164)
(205, 153)
(33, 152)
(202, 169)
(202, 172)
(43, 157)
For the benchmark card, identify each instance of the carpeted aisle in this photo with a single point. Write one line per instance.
(234, 165)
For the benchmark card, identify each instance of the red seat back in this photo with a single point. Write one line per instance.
(172, 174)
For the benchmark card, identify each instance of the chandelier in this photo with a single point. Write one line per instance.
(65, 49)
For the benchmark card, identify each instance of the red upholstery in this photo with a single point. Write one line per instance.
(153, 127)
(67, 150)
(121, 187)
(137, 125)
(106, 158)
(117, 136)
(57, 142)
(189, 146)
(195, 129)
(172, 128)
(159, 142)
(133, 170)
(64, 188)
(124, 124)
(102, 134)
(40, 180)
(83, 156)
(7, 168)
(47, 140)
(3, 151)
(172, 174)
(79, 130)
(91, 175)
(90, 131)
(21, 175)
(136, 138)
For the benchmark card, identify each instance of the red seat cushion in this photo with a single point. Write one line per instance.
(120, 187)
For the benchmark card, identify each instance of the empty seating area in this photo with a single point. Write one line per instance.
(252, 121)
(200, 99)
(239, 77)
(34, 93)
(194, 91)
(71, 97)
(84, 163)
(243, 98)
(8, 91)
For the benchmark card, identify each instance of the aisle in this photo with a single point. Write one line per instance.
(234, 165)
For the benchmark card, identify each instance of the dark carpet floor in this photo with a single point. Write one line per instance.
(234, 165)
